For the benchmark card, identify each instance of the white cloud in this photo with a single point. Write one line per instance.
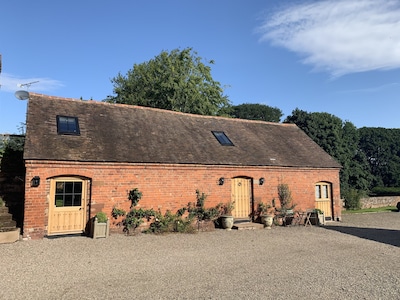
(10, 83)
(373, 89)
(339, 36)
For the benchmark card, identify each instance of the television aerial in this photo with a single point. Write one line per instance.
(22, 94)
(28, 85)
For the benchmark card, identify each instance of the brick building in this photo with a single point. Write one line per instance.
(85, 156)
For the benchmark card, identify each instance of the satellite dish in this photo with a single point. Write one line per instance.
(21, 95)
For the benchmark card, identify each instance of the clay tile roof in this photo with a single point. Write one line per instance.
(125, 133)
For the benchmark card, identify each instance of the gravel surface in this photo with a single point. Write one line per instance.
(357, 258)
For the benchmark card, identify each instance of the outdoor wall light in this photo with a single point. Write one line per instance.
(221, 181)
(261, 181)
(35, 182)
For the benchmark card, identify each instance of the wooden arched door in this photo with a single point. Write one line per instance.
(323, 198)
(242, 196)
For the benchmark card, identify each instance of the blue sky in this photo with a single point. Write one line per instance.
(340, 57)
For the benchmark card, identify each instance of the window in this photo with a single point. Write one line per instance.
(322, 191)
(67, 125)
(222, 138)
(68, 193)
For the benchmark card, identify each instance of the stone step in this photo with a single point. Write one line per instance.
(3, 210)
(7, 228)
(8, 223)
(247, 226)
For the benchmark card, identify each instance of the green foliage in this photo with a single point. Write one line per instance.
(381, 147)
(285, 196)
(352, 199)
(318, 211)
(371, 210)
(134, 195)
(12, 143)
(264, 208)
(340, 140)
(170, 222)
(101, 217)
(226, 209)
(176, 80)
(199, 210)
(117, 212)
(258, 112)
(385, 191)
(135, 217)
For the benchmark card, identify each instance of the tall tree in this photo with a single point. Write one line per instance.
(176, 80)
(340, 140)
(256, 111)
(382, 149)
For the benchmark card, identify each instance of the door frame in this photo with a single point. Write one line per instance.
(83, 208)
(250, 196)
(321, 200)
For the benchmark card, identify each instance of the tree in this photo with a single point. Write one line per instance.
(340, 140)
(260, 112)
(381, 146)
(176, 80)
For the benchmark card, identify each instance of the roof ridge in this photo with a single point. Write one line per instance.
(97, 102)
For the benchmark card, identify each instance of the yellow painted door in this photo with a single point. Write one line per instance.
(241, 195)
(67, 206)
(323, 199)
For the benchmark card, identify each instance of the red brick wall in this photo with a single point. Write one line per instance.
(166, 186)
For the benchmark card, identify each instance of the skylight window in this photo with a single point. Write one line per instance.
(67, 125)
(222, 138)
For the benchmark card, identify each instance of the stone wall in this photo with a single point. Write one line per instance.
(382, 201)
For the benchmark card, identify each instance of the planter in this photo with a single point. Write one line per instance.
(267, 220)
(9, 236)
(321, 219)
(226, 222)
(100, 230)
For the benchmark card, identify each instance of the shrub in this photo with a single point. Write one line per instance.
(170, 222)
(385, 191)
(135, 217)
(101, 217)
(285, 196)
(199, 210)
(117, 212)
(352, 199)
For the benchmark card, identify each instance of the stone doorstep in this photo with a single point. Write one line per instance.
(247, 226)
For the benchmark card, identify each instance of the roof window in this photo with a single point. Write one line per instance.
(67, 125)
(222, 138)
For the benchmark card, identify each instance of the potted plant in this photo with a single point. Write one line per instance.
(266, 213)
(286, 211)
(100, 226)
(226, 217)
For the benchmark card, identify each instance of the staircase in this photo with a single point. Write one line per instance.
(9, 233)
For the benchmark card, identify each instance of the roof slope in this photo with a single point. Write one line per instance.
(124, 133)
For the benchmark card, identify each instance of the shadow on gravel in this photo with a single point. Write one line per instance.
(386, 236)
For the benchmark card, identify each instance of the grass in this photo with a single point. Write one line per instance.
(371, 210)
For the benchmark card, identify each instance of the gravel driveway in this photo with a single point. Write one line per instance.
(357, 258)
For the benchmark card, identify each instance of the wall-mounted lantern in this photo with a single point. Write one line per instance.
(221, 181)
(35, 182)
(261, 181)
